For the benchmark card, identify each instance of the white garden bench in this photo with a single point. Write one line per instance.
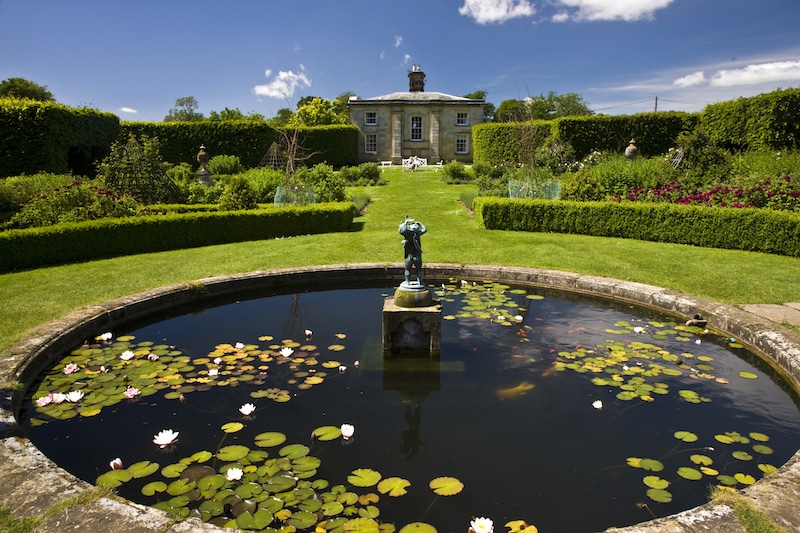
(385, 164)
(421, 162)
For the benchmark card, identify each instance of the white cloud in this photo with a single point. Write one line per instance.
(398, 40)
(627, 10)
(757, 73)
(382, 55)
(127, 110)
(283, 84)
(560, 17)
(489, 11)
(406, 59)
(690, 80)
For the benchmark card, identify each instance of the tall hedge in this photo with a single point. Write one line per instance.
(770, 120)
(55, 138)
(655, 134)
(249, 141)
(112, 237)
(759, 230)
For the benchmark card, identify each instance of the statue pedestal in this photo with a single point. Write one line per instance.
(205, 177)
(412, 321)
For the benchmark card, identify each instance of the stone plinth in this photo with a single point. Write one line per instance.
(412, 329)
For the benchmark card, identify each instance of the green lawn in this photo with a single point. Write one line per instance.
(454, 236)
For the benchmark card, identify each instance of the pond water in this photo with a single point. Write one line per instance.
(566, 412)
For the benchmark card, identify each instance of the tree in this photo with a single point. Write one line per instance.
(22, 88)
(489, 110)
(230, 115)
(281, 118)
(512, 111)
(185, 110)
(318, 112)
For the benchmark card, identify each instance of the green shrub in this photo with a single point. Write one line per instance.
(619, 175)
(457, 172)
(704, 163)
(238, 195)
(327, 185)
(360, 202)
(555, 156)
(483, 169)
(264, 182)
(750, 168)
(581, 186)
(17, 190)
(225, 164)
(76, 202)
(363, 175)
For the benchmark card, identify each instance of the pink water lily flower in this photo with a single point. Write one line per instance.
(165, 437)
(44, 400)
(247, 409)
(481, 525)
(132, 392)
(116, 464)
(234, 474)
(70, 368)
(152, 357)
(347, 431)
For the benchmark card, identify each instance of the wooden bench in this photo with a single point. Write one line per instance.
(421, 162)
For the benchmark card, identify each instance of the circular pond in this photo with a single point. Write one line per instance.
(545, 408)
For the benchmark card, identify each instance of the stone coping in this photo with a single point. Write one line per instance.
(32, 484)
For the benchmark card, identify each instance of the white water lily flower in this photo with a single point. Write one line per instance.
(639, 330)
(75, 396)
(239, 345)
(127, 355)
(165, 438)
(597, 404)
(342, 368)
(105, 336)
(247, 409)
(286, 351)
(308, 333)
(217, 360)
(519, 318)
(482, 525)
(59, 397)
(347, 431)
(234, 474)
(116, 464)
(213, 372)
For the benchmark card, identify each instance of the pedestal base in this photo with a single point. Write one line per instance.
(412, 330)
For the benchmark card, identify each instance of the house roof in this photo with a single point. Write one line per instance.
(416, 97)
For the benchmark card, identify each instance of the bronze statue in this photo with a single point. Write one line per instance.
(412, 230)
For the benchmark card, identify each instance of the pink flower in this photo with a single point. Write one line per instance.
(131, 392)
(347, 431)
(44, 400)
(116, 464)
(152, 357)
(70, 368)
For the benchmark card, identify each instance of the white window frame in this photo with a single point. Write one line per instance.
(373, 115)
(463, 139)
(371, 141)
(462, 119)
(416, 128)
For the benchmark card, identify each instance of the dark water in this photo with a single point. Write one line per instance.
(545, 456)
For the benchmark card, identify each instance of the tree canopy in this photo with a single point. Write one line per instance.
(185, 110)
(489, 111)
(543, 107)
(22, 88)
(320, 112)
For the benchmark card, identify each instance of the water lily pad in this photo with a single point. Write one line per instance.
(394, 486)
(332, 508)
(114, 478)
(655, 482)
(418, 527)
(759, 437)
(180, 487)
(652, 465)
(446, 486)
(747, 375)
(690, 473)
(325, 433)
(727, 480)
(364, 477)
(153, 487)
(270, 439)
(294, 451)
(659, 495)
(767, 468)
(143, 469)
(362, 525)
(742, 455)
(234, 452)
(744, 479)
(232, 427)
(700, 459)
(255, 521)
(685, 436)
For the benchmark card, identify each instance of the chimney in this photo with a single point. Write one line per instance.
(416, 80)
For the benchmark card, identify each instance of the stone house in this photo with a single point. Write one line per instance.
(431, 125)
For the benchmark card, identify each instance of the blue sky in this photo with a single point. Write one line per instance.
(135, 58)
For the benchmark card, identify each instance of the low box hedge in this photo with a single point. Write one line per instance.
(758, 230)
(112, 237)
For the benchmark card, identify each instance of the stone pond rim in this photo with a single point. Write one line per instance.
(33, 484)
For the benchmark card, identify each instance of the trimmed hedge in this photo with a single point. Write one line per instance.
(757, 230)
(112, 237)
(48, 137)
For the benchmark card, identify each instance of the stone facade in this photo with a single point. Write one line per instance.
(432, 125)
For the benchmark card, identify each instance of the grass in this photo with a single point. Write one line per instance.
(752, 519)
(34, 297)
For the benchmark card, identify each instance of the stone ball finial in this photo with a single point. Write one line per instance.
(631, 152)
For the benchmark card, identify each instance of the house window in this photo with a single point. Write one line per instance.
(462, 145)
(371, 143)
(462, 119)
(416, 128)
(371, 118)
